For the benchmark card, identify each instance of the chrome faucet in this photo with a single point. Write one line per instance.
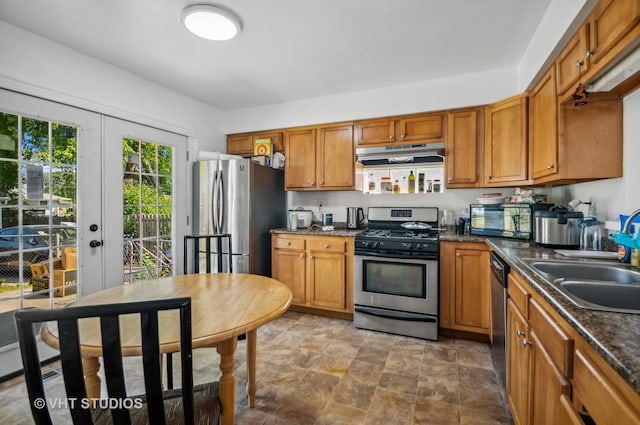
(627, 225)
(624, 237)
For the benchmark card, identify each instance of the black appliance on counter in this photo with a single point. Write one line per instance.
(505, 220)
(396, 272)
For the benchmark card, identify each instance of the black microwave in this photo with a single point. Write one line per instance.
(504, 220)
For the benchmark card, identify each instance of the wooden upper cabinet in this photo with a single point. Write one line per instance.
(403, 129)
(240, 144)
(573, 62)
(610, 22)
(506, 142)
(376, 132)
(277, 139)
(300, 163)
(543, 127)
(320, 158)
(335, 157)
(462, 156)
(420, 128)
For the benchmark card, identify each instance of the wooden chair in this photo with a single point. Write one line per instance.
(188, 405)
(208, 240)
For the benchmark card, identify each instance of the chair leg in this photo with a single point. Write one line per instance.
(169, 371)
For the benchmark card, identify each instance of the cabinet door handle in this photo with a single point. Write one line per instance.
(549, 166)
(289, 243)
(450, 178)
(458, 254)
(487, 178)
(391, 138)
(301, 256)
(326, 246)
(589, 53)
(402, 136)
(311, 257)
(526, 342)
(519, 333)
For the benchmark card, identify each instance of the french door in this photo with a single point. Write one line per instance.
(146, 201)
(87, 202)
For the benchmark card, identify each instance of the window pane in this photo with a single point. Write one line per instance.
(148, 208)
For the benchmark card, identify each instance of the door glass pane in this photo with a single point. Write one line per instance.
(38, 200)
(147, 209)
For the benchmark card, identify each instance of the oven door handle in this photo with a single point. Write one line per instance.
(397, 256)
(376, 312)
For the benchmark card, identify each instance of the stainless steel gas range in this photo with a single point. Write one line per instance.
(396, 272)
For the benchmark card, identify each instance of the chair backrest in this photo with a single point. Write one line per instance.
(208, 239)
(71, 359)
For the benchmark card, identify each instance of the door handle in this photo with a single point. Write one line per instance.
(95, 243)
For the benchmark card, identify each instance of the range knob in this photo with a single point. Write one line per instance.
(375, 244)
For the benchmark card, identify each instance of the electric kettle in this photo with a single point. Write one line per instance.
(355, 217)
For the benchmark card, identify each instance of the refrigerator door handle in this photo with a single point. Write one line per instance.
(220, 198)
(214, 202)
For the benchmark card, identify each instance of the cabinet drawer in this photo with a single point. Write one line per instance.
(289, 243)
(599, 395)
(519, 294)
(327, 244)
(557, 343)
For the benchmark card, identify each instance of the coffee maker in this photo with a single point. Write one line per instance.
(355, 217)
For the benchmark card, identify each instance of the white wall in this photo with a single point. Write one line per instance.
(34, 65)
(448, 93)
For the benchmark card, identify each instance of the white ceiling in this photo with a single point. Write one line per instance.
(290, 49)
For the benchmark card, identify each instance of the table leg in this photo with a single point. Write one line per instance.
(251, 366)
(91, 366)
(226, 349)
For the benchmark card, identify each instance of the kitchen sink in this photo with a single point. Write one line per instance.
(592, 285)
(613, 295)
(577, 270)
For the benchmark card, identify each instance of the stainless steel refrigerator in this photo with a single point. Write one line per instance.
(244, 199)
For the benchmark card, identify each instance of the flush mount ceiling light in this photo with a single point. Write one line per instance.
(211, 22)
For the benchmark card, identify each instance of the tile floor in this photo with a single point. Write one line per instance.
(314, 370)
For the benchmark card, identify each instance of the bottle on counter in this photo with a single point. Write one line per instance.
(420, 182)
(372, 183)
(412, 182)
(385, 185)
(436, 186)
(396, 187)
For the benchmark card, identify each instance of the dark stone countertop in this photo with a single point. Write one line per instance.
(316, 230)
(615, 336)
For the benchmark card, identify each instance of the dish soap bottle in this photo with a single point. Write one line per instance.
(412, 182)
(372, 183)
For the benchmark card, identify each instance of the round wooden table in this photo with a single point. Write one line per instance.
(224, 305)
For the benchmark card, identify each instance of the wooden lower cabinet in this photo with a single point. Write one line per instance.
(465, 291)
(538, 360)
(317, 269)
(517, 364)
(553, 376)
(598, 391)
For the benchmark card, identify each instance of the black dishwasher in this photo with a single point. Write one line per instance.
(499, 272)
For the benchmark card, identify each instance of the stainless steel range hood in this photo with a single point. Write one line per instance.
(402, 154)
